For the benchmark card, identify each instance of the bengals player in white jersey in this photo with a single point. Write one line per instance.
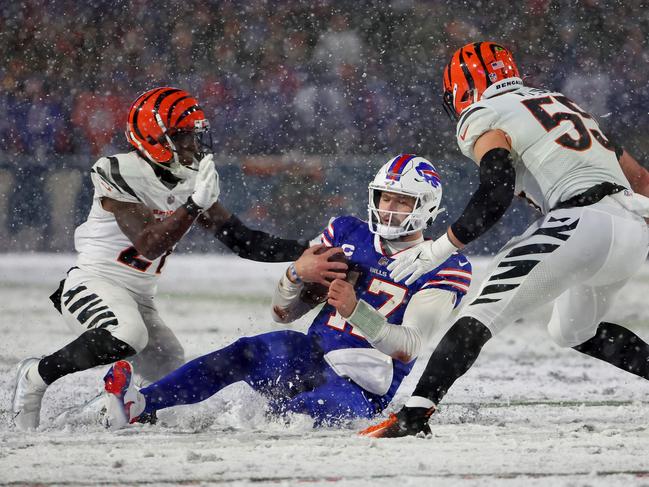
(590, 240)
(144, 202)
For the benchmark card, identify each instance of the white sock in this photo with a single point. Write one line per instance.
(35, 377)
(420, 402)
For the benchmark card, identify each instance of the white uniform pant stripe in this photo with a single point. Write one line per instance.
(89, 301)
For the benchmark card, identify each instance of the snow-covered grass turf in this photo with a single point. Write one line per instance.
(528, 413)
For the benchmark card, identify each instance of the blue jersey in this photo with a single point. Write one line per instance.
(291, 368)
(373, 284)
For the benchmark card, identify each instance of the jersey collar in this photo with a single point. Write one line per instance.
(502, 86)
(391, 248)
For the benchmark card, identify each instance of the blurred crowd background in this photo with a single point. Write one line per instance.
(306, 98)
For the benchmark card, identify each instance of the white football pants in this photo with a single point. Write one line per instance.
(90, 302)
(580, 257)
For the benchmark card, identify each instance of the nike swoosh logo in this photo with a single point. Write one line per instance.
(464, 134)
(462, 264)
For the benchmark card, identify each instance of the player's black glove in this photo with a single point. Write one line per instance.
(407, 422)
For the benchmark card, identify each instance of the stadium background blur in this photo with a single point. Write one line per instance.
(306, 99)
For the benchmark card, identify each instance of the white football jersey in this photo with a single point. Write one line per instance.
(103, 248)
(558, 149)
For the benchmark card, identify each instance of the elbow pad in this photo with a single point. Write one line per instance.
(492, 198)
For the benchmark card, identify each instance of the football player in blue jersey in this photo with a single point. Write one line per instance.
(364, 340)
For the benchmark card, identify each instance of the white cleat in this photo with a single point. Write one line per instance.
(28, 395)
(124, 402)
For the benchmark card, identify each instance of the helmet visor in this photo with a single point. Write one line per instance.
(389, 223)
(196, 142)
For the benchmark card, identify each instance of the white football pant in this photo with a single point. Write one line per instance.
(580, 257)
(89, 301)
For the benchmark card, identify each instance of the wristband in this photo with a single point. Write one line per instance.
(445, 246)
(192, 208)
(293, 276)
(368, 320)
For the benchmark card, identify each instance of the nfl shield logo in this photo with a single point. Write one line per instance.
(171, 199)
(384, 261)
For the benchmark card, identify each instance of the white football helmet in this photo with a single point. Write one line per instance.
(409, 175)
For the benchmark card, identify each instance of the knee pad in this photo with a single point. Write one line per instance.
(252, 350)
(557, 338)
(569, 336)
(134, 333)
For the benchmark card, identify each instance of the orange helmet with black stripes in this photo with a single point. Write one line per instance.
(472, 70)
(159, 117)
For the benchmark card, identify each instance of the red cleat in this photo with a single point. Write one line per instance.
(124, 403)
(407, 422)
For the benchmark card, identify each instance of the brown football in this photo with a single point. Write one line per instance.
(315, 293)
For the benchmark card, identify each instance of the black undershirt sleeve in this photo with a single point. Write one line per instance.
(258, 245)
(492, 198)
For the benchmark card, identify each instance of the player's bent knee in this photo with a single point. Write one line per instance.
(171, 356)
(569, 335)
(176, 354)
(175, 347)
(561, 341)
(170, 348)
(251, 347)
(135, 335)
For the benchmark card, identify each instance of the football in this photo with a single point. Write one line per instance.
(315, 293)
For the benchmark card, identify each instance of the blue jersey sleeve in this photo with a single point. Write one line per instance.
(453, 275)
(338, 228)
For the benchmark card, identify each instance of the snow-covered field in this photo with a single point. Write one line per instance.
(528, 413)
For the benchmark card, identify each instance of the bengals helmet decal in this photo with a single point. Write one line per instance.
(471, 70)
(158, 114)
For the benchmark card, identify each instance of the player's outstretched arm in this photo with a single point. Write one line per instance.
(150, 238)
(495, 191)
(248, 243)
(486, 206)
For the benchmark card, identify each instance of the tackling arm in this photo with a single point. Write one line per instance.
(246, 242)
(495, 192)
(487, 205)
(151, 238)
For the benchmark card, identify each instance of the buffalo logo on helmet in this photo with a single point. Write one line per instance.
(428, 172)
